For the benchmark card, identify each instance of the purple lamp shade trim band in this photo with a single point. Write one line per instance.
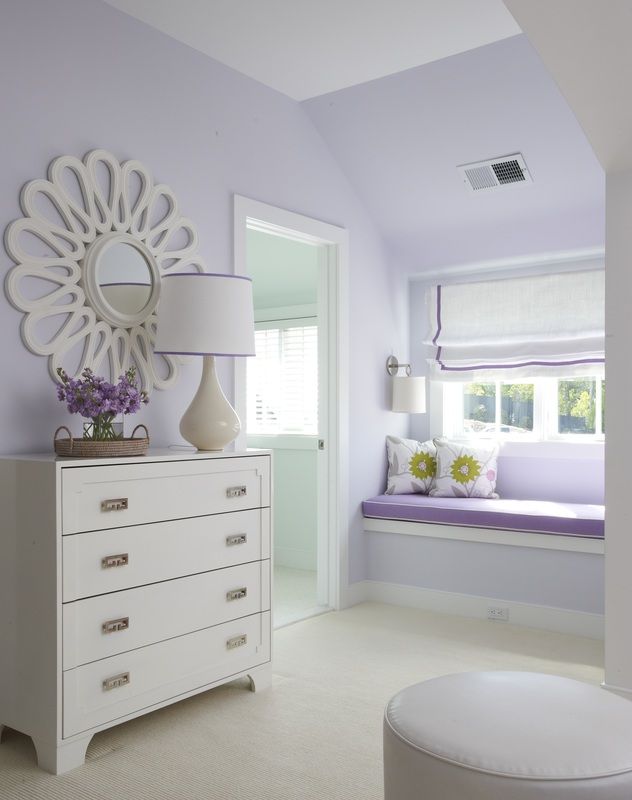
(185, 353)
(473, 367)
(206, 275)
(126, 283)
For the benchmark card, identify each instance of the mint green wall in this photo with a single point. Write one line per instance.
(284, 273)
(295, 510)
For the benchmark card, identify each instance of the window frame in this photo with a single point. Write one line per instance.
(545, 411)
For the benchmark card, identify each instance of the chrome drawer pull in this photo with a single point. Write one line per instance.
(116, 504)
(237, 594)
(239, 538)
(116, 681)
(120, 560)
(236, 491)
(115, 625)
(236, 641)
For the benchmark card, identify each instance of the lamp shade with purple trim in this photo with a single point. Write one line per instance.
(203, 313)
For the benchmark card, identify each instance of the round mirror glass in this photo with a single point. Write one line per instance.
(124, 278)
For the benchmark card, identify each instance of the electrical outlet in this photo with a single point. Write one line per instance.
(497, 613)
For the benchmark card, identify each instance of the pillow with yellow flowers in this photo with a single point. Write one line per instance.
(464, 471)
(411, 466)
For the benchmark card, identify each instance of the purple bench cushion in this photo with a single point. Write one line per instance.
(568, 519)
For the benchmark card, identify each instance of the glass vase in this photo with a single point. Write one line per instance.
(101, 429)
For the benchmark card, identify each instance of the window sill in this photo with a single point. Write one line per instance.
(540, 448)
(546, 541)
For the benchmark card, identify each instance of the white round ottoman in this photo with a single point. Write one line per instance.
(507, 736)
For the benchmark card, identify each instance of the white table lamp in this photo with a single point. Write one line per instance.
(207, 314)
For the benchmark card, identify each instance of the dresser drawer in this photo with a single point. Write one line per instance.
(103, 626)
(154, 674)
(107, 561)
(101, 497)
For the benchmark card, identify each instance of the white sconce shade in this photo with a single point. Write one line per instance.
(409, 395)
(207, 314)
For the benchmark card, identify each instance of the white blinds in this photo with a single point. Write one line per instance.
(518, 327)
(283, 381)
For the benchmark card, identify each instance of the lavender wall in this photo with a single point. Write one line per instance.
(77, 75)
(568, 580)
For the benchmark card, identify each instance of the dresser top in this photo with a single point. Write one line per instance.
(153, 454)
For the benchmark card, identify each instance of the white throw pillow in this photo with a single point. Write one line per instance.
(411, 466)
(465, 471)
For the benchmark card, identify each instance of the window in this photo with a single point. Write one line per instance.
(498, 407)
(541, 408)
(521, 357)
(283, 380)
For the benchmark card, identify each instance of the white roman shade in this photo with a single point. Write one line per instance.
(518, 327)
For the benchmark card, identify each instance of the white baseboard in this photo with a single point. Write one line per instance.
(560, 620)
(620, 690)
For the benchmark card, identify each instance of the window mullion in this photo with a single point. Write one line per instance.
(598, 431)
(544, 392)
(499, 407)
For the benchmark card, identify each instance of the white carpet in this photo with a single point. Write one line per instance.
(316, 734)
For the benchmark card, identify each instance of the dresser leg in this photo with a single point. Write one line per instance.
(61, 758)
(260, 677)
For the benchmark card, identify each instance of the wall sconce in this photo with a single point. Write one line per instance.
(409, 394)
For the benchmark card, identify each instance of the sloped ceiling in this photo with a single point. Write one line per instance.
(305, 48)
(399, 135)
(399, 140)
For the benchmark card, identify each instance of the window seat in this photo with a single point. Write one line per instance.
(526, 516)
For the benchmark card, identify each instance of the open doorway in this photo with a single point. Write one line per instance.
(289, 397)
(282, 393)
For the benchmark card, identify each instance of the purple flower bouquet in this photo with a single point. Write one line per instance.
(93, 397)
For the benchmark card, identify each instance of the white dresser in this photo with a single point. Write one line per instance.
(125, 585)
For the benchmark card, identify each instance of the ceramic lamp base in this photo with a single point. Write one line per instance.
(210, 422)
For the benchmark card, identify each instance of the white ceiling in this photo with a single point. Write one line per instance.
(306, 48)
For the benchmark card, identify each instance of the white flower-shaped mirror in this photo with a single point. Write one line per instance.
(90, 251)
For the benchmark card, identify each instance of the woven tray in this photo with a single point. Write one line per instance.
(88, 448)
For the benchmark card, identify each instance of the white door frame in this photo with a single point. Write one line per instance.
(270, 219)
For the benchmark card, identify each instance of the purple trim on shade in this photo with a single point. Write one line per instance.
(184, 353)
(436, 336)
(126, 283)
(206, 275)
(434, 341)
(530, 516)
(471, 368)
(523, 364)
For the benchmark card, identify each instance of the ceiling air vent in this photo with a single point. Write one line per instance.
(495, 173)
